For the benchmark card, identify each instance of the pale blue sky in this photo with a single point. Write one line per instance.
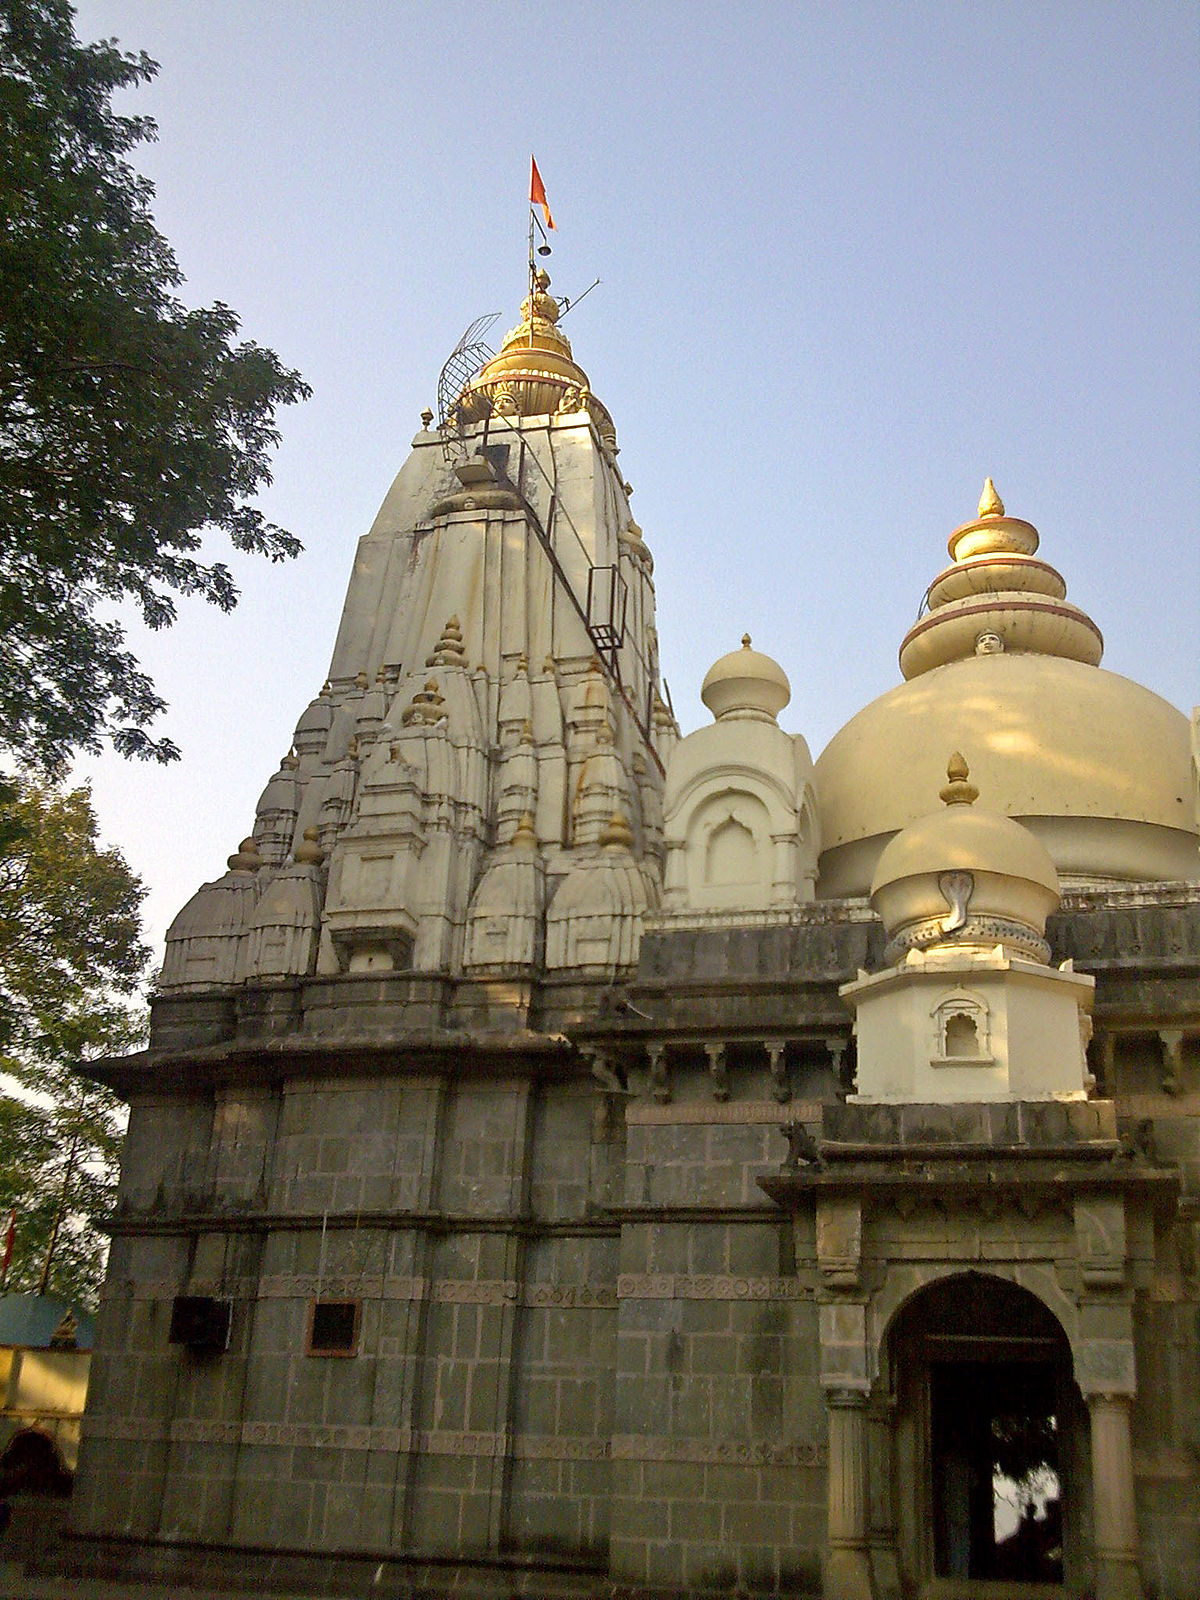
(853, 258)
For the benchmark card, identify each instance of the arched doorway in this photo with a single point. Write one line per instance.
(990, 1441)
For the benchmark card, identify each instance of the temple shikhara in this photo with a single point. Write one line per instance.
(573, 1158)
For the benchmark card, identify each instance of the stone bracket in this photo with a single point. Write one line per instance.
(1100, 1240)
(839, 1241)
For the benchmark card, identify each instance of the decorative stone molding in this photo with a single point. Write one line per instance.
(725, 1452)
(709, 1286)
(642, 1114)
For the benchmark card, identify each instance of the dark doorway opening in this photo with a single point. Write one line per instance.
(990, 1460)
(997, 1500)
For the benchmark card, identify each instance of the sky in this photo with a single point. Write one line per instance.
(853, 258)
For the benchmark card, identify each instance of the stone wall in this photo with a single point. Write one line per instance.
(590, 1347)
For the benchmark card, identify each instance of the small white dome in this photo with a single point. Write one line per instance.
(745, 683)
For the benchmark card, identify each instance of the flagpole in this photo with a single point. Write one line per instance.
(532, 284)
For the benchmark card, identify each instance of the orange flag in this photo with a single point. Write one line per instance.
(537, 193)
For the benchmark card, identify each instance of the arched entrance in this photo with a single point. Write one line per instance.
(989, 1441)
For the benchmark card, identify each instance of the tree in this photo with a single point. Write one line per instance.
(71, 962)
(129, 425)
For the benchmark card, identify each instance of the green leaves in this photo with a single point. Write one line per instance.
(129, 425)
(71, 962)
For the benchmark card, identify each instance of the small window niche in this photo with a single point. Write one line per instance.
(333, 1327)
(960, 1033)
(201, 1323)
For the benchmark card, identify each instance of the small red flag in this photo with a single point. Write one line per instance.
(9, 1237)
(537, 193)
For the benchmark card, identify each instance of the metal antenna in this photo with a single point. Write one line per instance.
(568, 305)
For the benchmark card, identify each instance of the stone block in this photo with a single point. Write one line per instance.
(644, 1518)
(746, 1523)
(664, 1563)
(628, 1558)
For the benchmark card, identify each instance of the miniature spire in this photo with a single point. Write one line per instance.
(308, 852)
(246, 857)
(428, 705)
(449, 650)
(990, 503)
(617, 832)
(958, 792)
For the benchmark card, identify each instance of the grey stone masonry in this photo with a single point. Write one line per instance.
(607, 1295)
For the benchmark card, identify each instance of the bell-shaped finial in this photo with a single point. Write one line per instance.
(958, 791)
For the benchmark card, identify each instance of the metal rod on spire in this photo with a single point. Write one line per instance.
(532, 283)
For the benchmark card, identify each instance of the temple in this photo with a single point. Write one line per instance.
(572, 1158)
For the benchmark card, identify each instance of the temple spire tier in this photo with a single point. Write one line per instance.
(535, 373)
(997, 596)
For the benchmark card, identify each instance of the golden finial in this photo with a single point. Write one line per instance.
(958, 792)
(426, 418)
(990, 503)
(527, 732)
(525, 836)
(290, 762)
(745, 641)
(427, 705)
(308, 852)
(449, 650)
(617, 832)
(246, 857)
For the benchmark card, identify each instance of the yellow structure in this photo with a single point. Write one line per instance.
(45, 1356)
(1003, 666)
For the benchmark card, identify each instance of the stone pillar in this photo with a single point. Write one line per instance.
(847, 1565)
(1113, 1510)
(836, 1046)
(718, 1071)
(881, 1518)
(660, 1078)
(1171, 1072)
(780, 1087)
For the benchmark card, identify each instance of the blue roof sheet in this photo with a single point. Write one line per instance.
(32, 1320)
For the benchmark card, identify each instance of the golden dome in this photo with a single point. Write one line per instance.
(964, 876)
(1097, 767)
(745, 683)
(535, 373)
